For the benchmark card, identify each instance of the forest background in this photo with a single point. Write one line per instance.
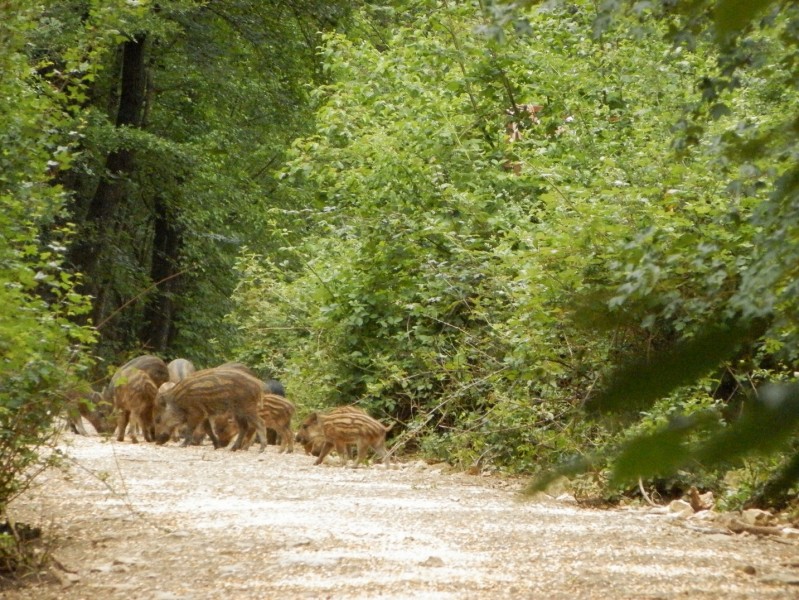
(541, 238)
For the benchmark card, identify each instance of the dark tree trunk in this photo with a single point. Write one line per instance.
(88, 250)
(158, 328)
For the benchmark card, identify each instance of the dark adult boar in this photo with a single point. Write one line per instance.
(207, 393)
(179, 369)
(340, 428)
(134, 401)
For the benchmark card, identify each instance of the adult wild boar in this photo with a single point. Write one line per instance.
(134, 401)
(341, 428)
(207, 393)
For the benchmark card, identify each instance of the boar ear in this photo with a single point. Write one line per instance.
(313, 418)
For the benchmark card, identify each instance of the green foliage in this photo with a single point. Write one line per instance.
(756, 150)
(223, 92)
(40, 344)
(493, 224)
(439, 257)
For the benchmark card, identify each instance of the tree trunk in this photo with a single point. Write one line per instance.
(88, 252)
(158, 328)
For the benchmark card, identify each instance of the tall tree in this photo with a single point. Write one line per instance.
(93, 245)
(186, 119)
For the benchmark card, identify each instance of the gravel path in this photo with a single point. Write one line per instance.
(169, 523)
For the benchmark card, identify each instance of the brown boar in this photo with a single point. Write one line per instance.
(179, 369)
(312, 440)
(340, 428)
(82, 402)
(276, 413)
(100, 413)
(198, 435)
(207, 393)
(271, 386)
(134, 401)
(152, 365)
(78, 403)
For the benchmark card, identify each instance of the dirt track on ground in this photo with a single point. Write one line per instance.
(168, 523)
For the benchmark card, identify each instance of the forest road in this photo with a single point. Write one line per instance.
(168, 523)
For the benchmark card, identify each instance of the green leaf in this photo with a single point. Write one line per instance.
(656, 454)
(733, 15)
(574, 466)
(663, 452)
(638, 384)
(768, 422)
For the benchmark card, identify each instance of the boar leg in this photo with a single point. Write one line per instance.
(192, 421)
(380, 451)
(243, 425)
(133, 428)
(286, 440)
(208, 428)
(248, 438)
(147, 425)
(343, 450)
(122, 424)
(247, 423)
(324, 451)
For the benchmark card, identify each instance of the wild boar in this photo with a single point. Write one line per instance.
(134, 401)
(276, 413)
(207, 393)
(179, 368)
(78, 403)
(271, 386)
(339, 428)
(198, 435)
(82, 402)
(152, 365)
(312, 440)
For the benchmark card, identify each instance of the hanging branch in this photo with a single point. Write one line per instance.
(137, 296)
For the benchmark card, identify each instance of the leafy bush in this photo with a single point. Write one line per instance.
(42, 347)
(495, 227)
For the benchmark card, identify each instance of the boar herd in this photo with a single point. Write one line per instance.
(162, 402)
